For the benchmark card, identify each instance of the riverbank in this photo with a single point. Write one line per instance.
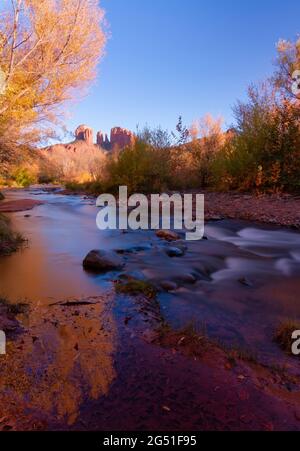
(18, 205)
(155, 377)
(10, 241)
(192, 349)
(274, 209)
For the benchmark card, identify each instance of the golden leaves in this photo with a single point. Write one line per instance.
(49, 48)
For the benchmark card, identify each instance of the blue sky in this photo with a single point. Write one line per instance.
(167, 58)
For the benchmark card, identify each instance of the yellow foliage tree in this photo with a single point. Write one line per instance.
(49, 51)
(287, 76)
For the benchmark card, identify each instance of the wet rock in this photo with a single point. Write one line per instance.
(168, 285)
(102, 261)
(174, 252)
(216, 218)
(134, 249)
(188, 278)
(167, 235)
(138, 275)
(246, 282)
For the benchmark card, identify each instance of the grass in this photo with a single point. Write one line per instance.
(283, 334)
(190, 340)
(136, 287)
(194, 333)
(14, 309)
(239, 353)
(9, 240)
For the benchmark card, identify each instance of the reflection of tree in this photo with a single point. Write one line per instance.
(64, 360)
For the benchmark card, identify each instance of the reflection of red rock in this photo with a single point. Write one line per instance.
(84, 133)
(119, 138)
(19, 205)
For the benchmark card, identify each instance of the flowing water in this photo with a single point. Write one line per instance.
(239, 284)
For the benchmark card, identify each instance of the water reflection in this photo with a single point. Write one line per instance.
(240, 282)
(66, 359)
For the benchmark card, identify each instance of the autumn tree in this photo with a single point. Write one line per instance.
(287, 77)
(207, 140)
(49, 51)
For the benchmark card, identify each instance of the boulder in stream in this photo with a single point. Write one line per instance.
(174, 252)
(168, 285)
(102, 261)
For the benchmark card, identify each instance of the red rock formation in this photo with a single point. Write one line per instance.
(103, 142)
(84, 133)
(121, 137)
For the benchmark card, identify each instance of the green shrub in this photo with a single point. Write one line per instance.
(24, 178)
(141, 168)
(264, 154)
(135, 287)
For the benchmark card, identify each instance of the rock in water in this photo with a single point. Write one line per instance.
(102, 261)
(174, 252)
(168, 285)
(167, 235)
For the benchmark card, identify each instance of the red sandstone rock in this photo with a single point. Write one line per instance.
(84, 133)
(103, 141)
(119, 138)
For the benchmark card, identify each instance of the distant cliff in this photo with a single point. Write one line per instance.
(83, 160)
(84, 133)
(119, 137)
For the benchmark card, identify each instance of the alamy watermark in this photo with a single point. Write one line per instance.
(158, 211)
(296, 83)
(2, 343)
(296, 344)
